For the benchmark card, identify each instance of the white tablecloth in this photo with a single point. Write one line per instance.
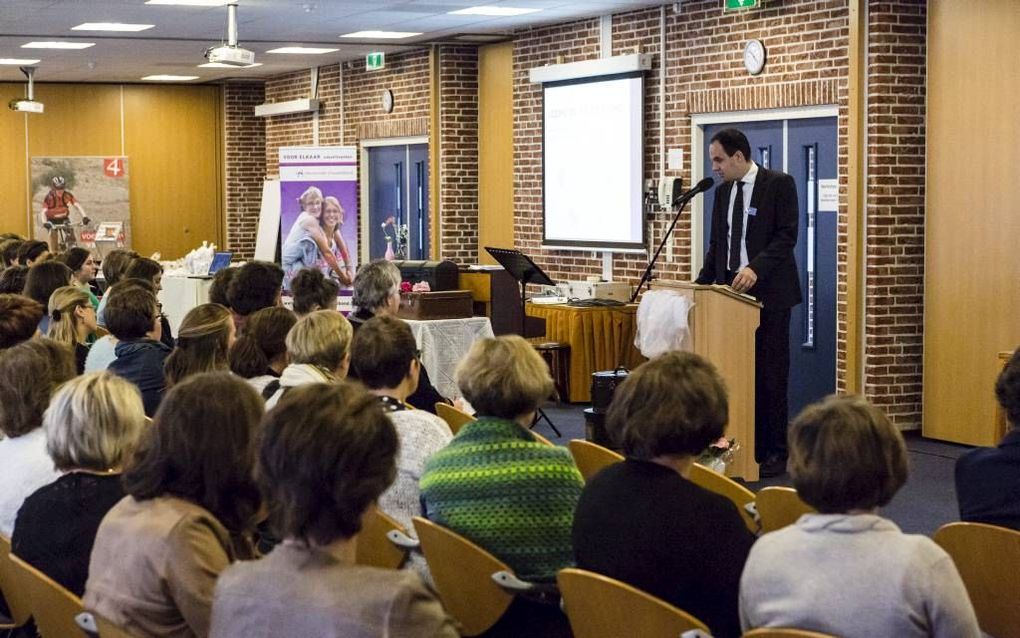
(180, 294)
(443, 343)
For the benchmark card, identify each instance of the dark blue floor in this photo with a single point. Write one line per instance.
(926, 502)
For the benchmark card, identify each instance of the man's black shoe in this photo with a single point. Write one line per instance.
(772, 467)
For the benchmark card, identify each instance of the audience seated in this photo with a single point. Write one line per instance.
(256, 285)
(19, 319)
(327, 454)
(260, 355)
(72, 321)
(385, 356)
(221, 285)
(988, 479)
(190, 507)
(103, 351)
(318, 348)
(9, 251)
(92, 424)
(150, 270)
(377, 292)
(132, 316)
(32, 252)
(312, 291)
(30, 372)
(846, 570)
(114, 264)
(83, 270)
(642, 521)
(203, 341)
(12, 279)
(43, 278)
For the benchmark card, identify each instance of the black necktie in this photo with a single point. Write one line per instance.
(737, 227)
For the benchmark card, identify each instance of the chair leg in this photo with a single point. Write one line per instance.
(539, 415)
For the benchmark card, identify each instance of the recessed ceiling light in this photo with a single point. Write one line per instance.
(58, 45)
(220, 65)
(303, 50)
(17, 61)
(381, 35)
(489, 10)
(111, 26)
(190, 3)
(170, 78)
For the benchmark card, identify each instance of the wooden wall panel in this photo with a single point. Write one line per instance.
(13, 183)
(80, 119)
(172, 139)
(495, 148)
(972, 309)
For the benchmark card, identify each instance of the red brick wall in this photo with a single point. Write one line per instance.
(244, 150)
(458, 149)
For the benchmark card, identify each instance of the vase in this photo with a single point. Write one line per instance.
(716, 464)
(389, 250)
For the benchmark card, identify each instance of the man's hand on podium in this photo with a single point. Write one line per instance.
(744, 280)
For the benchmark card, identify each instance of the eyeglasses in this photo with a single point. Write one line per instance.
(418, 354)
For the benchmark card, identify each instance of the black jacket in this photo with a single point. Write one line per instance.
(141, 362)
(988, 483)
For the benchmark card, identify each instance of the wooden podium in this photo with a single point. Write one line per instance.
(721, 325)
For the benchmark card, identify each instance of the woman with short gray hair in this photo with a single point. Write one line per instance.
(91, 425)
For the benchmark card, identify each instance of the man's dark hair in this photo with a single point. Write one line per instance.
(312, 291)
(221, 285)
(182, 455)
(30, 251)
(328, 452)
(256, 286)
(9, 251)
(45, 277)
(30, 373)
(143, 268)
(131, 309)
(12, 279)
(19, 319)
(382, 351)
(1007, 389)
(74, 257)
(115, 263)
(733, 140)
(264, 339)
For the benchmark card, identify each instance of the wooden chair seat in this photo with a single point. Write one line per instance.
(454, 418)
(19, 604)
(778, 507)
(735, 492)
(988, 559)
(53, 607)
(784, 632)
(601, 607)
(590, 457)
(374, 545)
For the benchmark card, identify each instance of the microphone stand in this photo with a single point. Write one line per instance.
(647, 276)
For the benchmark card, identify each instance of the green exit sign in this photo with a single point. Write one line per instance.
(742, 4)
(375, 61)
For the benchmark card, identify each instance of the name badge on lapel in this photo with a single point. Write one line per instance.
(751, 212)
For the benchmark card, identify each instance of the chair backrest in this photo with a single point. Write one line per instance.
(18, 602)
(372, 547)
(783, 632)
(109, 630)
(53, 607)
(988, 559)
(601, 607)
(779, 507)
(591, 457)
(541, 439)
(737, 493)
(462, 573)
(454, 418)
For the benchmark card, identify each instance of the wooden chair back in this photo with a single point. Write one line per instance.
(735, 492)
(19, 604)
(783, 632)
(988, 559)
(373, 548)
(601, 607)
(462, 573)
(109, 630)
(454, 418)
(779, 507)
(541, 439)
(591, 457)
(53, 607)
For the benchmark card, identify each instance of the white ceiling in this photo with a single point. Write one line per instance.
(181, 34)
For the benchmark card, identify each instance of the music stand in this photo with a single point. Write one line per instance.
(524, 271)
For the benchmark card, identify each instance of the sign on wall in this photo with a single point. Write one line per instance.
(319, 211)
(68, 190)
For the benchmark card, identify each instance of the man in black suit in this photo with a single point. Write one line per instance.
(988, 478)
(753, 253)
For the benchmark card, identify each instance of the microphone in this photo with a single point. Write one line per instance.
(678, 188)
(702, 186)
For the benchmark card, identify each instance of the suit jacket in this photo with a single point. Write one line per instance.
(988, 483)
(770, 236)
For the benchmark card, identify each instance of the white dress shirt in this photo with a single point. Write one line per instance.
(747, 181)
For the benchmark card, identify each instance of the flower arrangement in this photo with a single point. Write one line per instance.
(719, 454)
(396, 244)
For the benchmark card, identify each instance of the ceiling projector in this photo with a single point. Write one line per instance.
(230, 55)
(25, 106)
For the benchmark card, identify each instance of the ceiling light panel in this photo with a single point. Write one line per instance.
(170, 78)
(490, 10)
(381, 35)
(58, 45)
(111, 26)
(303, 50)
(18, 61)
(189, 3)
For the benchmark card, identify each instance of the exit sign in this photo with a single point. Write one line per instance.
(742, 4)
(375, 61)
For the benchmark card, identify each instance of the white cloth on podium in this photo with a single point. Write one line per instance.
(662, 323)
(443, 343)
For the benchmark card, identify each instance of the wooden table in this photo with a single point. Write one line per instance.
(600, 338)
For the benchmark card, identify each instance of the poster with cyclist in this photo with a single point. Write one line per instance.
(73, 197)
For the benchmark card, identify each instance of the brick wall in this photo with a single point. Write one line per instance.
(244, 150)
(458, 148)
(895, 198)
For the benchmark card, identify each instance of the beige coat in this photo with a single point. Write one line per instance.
(155, 564)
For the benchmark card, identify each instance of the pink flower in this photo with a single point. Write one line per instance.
(422, 286)
(722, 444)
(405, 286)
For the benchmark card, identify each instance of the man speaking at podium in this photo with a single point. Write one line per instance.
(752, 251)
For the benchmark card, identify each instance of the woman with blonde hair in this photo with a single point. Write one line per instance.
(72, 321)
(318, 347)
(92, 425)
(332, 222)
(306, 243)
(203, 343)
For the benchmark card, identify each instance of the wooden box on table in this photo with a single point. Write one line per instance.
(442, 304)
